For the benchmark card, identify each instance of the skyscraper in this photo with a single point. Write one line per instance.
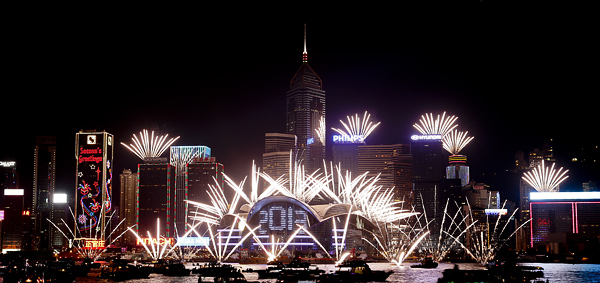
(305, 113)
(181, 157)
(128, 204)
(393, 164)
(429, 171)
(44, 184)
(276, 158)
(154, 197)
(93, 193)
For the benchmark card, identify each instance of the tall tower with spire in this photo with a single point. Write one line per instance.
(305, 113)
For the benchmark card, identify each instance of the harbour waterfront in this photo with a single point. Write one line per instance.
(553, 272)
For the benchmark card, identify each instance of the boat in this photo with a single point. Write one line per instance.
(121, 270)
(355, 271)
(212, 269)
(426, 263)
(171, 268)
(296, 268)
(492, 275)
(231, 276)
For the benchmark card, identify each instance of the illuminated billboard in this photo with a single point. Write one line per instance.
(426, 137)
(94, 153)
(60, 198)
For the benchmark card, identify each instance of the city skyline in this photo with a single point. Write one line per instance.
(226, 87)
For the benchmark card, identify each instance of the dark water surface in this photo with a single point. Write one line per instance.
(553, 272)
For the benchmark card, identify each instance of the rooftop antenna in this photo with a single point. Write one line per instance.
(304, 54)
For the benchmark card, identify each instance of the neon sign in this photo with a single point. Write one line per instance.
(280, 218)
(7, 163)
(13, 192)
(93, 244)
(154, 241)
(194, 242)
(310, 141)
(425, 137)
(563, 195)
(347, 138)
(491, 211)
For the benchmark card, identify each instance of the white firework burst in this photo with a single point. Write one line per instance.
(357, 130)
(321, 131)
(439, 126)
(149, 146)
(545, 179)
(455, 141)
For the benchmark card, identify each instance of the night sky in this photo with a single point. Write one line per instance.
(516, 76)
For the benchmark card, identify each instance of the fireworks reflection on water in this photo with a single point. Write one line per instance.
(553, 272)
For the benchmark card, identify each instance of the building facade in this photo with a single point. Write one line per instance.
(305, 113)
(94, 179)
(44, 184)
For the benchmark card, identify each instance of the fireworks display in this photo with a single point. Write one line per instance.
(149, 146)
(545, 179)
(455, 141)
(357, 130)
(438, 126)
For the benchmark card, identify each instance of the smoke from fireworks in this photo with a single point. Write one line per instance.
(455, 141)
(439, 126)
(545, 179)
(151, 146)
(357, 128)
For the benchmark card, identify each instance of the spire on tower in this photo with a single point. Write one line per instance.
(304, 54)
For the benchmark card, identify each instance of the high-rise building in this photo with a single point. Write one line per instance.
(201, 174)
(44, 184)
(305, 113)
(276, 158)
(94, 178)
(393, 165)
(60, 211)
(128, 205)
(181, 157)
(458, 169)
(428, 172)
(154, 197)
(12, 225)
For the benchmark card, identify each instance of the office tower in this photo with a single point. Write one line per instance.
(154, 197)
(93, 194)
(305, 113)
(567, 219)
(60, 211)
(128, 204)
(200, 175)
(345, 155)
(181, 156)
(428, 171)
(393, 165)
(44, 184)
(8, 177)
(458, 169)
(12, 225)
(279, 148)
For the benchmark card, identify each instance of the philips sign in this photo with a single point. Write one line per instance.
(346, 138)
(425, 137)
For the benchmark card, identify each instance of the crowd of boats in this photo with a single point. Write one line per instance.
(350, 271)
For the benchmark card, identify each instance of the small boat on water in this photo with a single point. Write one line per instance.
(504, 274)
(355, 271)
(426, 263)
(171, 268)
(212, 269)
(119, 270)
(230, 276)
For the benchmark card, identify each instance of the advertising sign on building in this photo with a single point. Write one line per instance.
(93, 196)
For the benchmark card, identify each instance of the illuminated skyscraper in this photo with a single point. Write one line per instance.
(154, 197)
(393, 164)
(93, 193)
(276, 159)
(305, 108)
(181, 157)
(44, 184)
(128, 204)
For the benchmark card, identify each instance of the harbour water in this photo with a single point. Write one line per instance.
(553, 272)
